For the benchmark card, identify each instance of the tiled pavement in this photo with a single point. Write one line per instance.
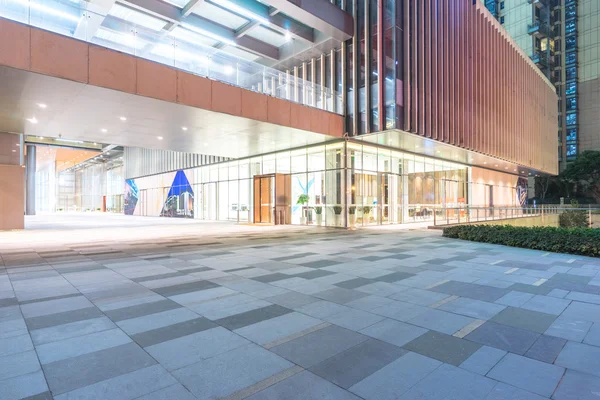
(297, 314)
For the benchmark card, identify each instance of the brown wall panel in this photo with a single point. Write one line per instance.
(254, 106)
(112, 69)
(59, 56)
(193, 90)
(15, 45)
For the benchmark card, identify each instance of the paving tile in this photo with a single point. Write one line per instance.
(15, 344)
(354, 319)
(170, 332)
(569, 329)
(525, 319)
(395, 378)
(292, 299)
(472, 308)
(173, 392)
(449, 382)
(419, 296)
(354, 283)
(546, 304)
(320, 263)
(442, 347)
(577, 386)
(127, 386)
(54, 306)
(546, 349)
(441, 321)
(322, 309)
(141, 310)
(71, 330)
(394, 332)
(470, 290)
(580, 357)
(155, 321)
(340, 295)
(502, 391)
(369, 303)
(73, 347)
(314, 274)
(353, 365)
(317, 346)
(304, 385)
(74, 373)
(514, 298)
(66, 317)
(582, 312)
(18, 364)
(483, 360)
(252, 317)
(400, 310)
(184, 288)
(504, 337)
(230, 372)
(559, 293)
(527, 374)
(521, 287)
(23, 386)
(277, 276)
(394, 277)
(593, 335)
(277, 328)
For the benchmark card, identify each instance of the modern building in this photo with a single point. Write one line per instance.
(561, 37)
(278, 111)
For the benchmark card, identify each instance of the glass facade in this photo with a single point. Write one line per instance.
(337, 184)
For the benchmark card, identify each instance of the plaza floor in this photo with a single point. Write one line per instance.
(162, 309)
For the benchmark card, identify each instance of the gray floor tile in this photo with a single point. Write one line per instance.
(174, 392)
(527, 374)
(313, 274)
(471, 290)
(442, 347)
(472, 308)
(395, 378)
(525, 319)
(577, 386)
(354, 283)
(141, 310)
(483, 360)
(582, 312)
(546, 304)
(320, 263)
(70, 330)
(514, 298)
(546, 349)
(593, 336)
(155, 321)
(394, 277)
(170, 332)
(230, 372)
(394, 332)
(277, 276)
(277, 328)
(23, 386)
(569, 329)
(355, 364)
(252, 317)
(504, 337)
(73, 347)
(419, 296)
(183, 288)
(301, 386)
(448, 382)
(66, 317)
(521, 287)
(400, 310)
(441, 321)
(18, 364)
(40, 396)
(54, 306)
(502, 391)
(126, 386)
(340, 295)
(190, 349)
(580, 357)
(315, 347)
(292, 299)
(354, 319)
(74, 373)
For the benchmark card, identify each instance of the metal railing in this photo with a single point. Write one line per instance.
(467, 215)
(181, 48)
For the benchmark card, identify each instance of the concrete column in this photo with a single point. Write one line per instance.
(30, 179)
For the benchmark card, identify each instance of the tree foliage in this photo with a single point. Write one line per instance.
(585, 171)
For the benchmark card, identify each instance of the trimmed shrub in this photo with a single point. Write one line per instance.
(573, 219)
(582, 241)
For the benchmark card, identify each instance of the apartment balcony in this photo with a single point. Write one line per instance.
(538, 3)
(542, 59)
(538, 29)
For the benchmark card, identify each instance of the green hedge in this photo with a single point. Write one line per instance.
(582, 241)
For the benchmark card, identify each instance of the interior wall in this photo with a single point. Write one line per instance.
(12, 197)
(504, 190)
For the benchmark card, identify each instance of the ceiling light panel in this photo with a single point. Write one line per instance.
(268, 36)
(123, 39)
(178, 3)
(190, 37)
(220, 16)
(137, 18)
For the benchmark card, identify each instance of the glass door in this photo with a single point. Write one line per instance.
(209, 201)
(389, 199)
(264, 199)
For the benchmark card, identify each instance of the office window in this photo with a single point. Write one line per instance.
(571, 73)
(571, 150)
(572, 119)
(571, 58)
(571, 43)
(502, 19)
(571, 135)
(572, 104)
(502, 5)
(570, 27)
(571, 88)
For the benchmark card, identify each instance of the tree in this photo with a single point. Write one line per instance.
(542, 183)
(585, 171)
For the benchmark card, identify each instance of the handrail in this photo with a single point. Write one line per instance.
(181, 48)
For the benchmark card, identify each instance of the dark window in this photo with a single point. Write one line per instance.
(571, 88)
(571, 150)
(571, 135)
(571, 103)
(502, 19)
(571, 73)
(571, 58)
(572, 119)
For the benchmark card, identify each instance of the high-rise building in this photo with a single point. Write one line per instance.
(562, 37)
(385, 111)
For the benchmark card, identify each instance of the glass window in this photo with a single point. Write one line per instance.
(383, 160)
(571, 150)
(571, 58)
(571, 135)
(571, 88)
(571, 73)
(298, 158)
(316, 159)
(572, 119)
(571, 103)
(283, 162)
(369, 158)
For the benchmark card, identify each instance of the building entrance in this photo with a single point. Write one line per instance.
(272, 195)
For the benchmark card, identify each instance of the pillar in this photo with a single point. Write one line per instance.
(30, 177)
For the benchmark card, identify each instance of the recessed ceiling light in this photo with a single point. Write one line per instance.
(288, 36)
(108, 153)
(18, 145)
(495, 165)
(417, 146)
(33, 120)
(95, 144)
(438, 152)
(228, 70)
(159, 137)
(505, 167)
(123, 118)
(184, 128)
(42, 105)
(485, 162)
(103, 130)
(41, 138)
(14, 151)
(205, 144)
(522, 172)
